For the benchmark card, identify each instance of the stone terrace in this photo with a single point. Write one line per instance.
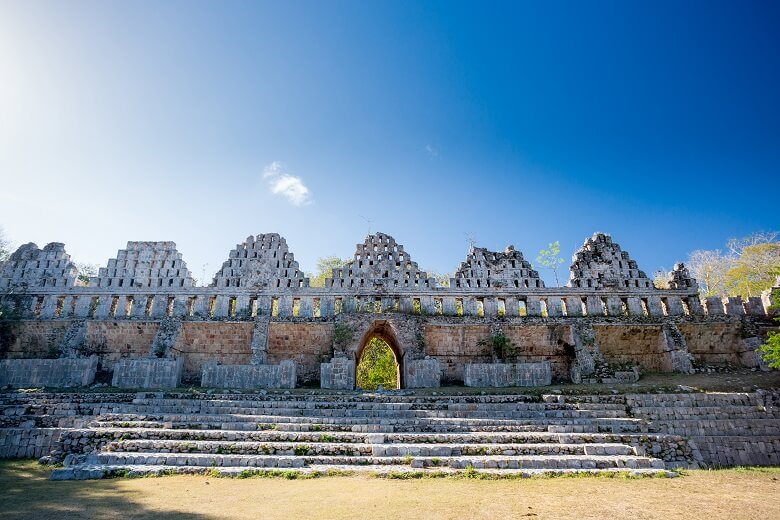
(98, 435)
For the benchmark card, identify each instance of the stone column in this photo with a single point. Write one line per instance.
(83, 303)
(139, 306)
(594, 306)
(674, 306)
(614, 306)
(201, 307)
(654, 307)
(554, 306)
(327, 304)
(104, 306)
(263, 305)
(121, 306)
(160, 306)
(635, 306)
(180, 306)
(490, 306)
(511, 306)
(242, 306)
(714, 306)
(49, 306)
(573, 306)
(533, 306)
(304, 311)
(285, 306)
(734, 306)
(469, 306)
(426, 305)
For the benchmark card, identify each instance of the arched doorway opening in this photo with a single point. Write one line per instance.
(377, 366)
(378, 358)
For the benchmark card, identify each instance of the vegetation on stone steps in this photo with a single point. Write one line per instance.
(377, 366)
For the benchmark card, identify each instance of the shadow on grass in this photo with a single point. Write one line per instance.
(26, 493)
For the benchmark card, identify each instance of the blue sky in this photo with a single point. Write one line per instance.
(521, 123)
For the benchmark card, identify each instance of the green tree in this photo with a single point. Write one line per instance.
(753, 270)
(377, 366)
(325, 267)
(549, 258)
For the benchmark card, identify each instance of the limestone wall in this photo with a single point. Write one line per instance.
(308, 344)
(115, 340)
(715, 342)
(641, 345)
(199, 343)
(37, 339)
(454, 346)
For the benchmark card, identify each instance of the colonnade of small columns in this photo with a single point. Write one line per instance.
(246, 306)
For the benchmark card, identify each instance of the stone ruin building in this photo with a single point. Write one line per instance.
(142, 323)
(259, 323)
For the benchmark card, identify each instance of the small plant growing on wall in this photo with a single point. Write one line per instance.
(499, 347)
(342, 335)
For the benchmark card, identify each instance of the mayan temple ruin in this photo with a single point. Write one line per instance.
(143, 323)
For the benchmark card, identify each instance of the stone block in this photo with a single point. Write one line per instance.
(422, 373)
(507, 374)
(59, 373)
(339, 374)
(147, 373)
(249, 376)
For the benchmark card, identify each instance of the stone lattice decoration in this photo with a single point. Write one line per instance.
(483, 268)
(680, 278)
(145, 265)
(380, 262)
(262, 261)
(32, 267)
(601, 264)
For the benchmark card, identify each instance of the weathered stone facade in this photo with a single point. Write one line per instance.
(261, 310)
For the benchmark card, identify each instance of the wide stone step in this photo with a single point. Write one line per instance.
(217, 420)
(232, 436)
(371, 413)
(556, 462)
(98, 471)
(701, 413)
(458, 462)
(377, 450)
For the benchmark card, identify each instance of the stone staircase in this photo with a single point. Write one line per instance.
(99, 435)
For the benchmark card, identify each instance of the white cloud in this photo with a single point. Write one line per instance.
(432, 151)
(288, 186)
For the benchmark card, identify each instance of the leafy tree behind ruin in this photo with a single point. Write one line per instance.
(744, 269)
(325, 267)
(377, 366)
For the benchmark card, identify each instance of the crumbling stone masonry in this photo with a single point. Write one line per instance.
(261, 311)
